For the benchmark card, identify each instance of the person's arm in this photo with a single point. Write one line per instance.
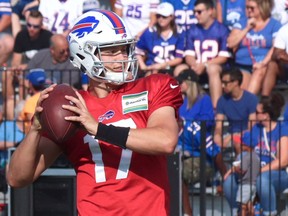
(159, 137)
(281, 160)
(280, 55)
(33, 155)
(164, 65)
(118, 11)
(5, 22)
(219, 11)
(4, 145)
(190, 60)
(237, 35)
(220, 164)
(141, 61)
(16, 59)
(251, 121)
(218, 136)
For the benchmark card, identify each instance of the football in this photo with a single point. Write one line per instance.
(52, 117)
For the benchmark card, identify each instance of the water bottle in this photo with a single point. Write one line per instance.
(257, 209)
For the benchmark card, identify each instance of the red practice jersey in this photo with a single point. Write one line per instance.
(113, 181)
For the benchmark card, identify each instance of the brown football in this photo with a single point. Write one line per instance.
(52, 117)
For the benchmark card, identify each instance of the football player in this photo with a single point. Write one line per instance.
(129, 125)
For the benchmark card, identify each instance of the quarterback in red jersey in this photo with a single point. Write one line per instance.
(129, 125)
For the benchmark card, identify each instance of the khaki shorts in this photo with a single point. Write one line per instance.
(191, 170)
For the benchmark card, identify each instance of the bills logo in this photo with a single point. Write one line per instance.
(85, 26)
(106, 116)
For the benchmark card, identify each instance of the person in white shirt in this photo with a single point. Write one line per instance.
(279, 61)
(59, 15)
(138, 15)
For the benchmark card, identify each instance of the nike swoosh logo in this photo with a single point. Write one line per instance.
(173, 86)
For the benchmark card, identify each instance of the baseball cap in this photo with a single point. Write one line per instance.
(187, 75)
(37, 76)
(165, 9)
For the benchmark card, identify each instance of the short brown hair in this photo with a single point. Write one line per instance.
(36, 14)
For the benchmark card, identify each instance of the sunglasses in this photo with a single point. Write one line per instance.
(61, 52)
(258, 112)
(29, 25)
(225, 83)
(161, 16)
(198, 11)
(250, 8)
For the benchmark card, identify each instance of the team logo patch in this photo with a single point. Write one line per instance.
(85, 26)
(135, 102)
(107, 115)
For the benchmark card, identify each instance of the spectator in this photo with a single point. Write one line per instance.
(160, 48)
(125, 174)
(270, 138)
(36, 83)
(89, 5)
(236, 105)
(246, 169)
(197, 107)
(20, 12)
(279, 11)
(11, 134)
(278, 65)
(12, 131)
(138, 15)
(229, 12)
(30, 40)
(6, 39)
(206, 50)
(184, 14)
(55, 61)
(253, 39)
(60, 15)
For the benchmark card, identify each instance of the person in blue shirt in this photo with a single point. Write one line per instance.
(160, 48)
(270, 138)
(11, 133)
(196, 108)
(236, 106)
(229, 12)
(252, 40)
(206, 50)
(184, 13)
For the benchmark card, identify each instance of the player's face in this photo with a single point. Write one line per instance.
(113, 58)
(202, 14)
(34, 26)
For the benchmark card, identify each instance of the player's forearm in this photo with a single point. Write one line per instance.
(23, 164)
(153, 140)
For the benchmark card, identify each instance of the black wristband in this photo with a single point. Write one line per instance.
(114, 135)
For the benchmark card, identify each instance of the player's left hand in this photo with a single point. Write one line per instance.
(84, 117)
